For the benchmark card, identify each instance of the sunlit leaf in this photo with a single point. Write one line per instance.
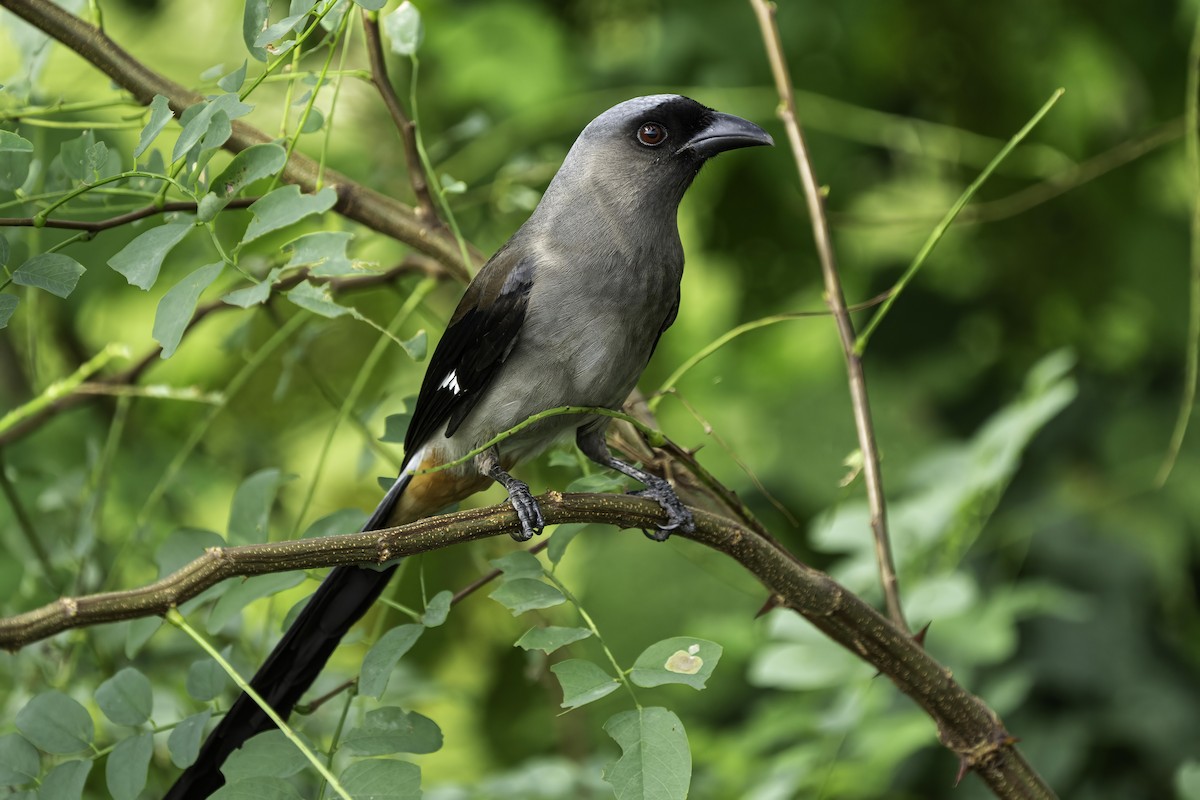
(324, 253)
(234, 80)
(316, 299)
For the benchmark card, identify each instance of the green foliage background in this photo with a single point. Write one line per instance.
(1055, 312)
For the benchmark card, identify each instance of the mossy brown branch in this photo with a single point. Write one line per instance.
(964, 723)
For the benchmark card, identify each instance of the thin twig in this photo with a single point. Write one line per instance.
(765, 11)
(95, 226)
(965, 724)
(383, 84)
(1191, 367)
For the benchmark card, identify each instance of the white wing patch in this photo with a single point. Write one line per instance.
(451, 382)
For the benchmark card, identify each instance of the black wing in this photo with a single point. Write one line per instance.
(481, 334)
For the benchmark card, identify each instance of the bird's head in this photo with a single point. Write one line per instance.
(646, 151)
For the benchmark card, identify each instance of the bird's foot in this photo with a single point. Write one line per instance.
(679, 518)
(527, 510)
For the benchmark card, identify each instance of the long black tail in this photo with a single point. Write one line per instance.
(340, 601)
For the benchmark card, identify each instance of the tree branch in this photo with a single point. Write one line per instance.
(379, 77)
(765, 11)
(965, 724)
(355, 201)
(97, 225)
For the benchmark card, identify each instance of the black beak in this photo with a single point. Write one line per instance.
(726, 132)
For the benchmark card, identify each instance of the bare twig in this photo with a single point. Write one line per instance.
(765, 11)
(355, 201)
(95, 226)
(379, 77)
(488, 577)
(965, 724)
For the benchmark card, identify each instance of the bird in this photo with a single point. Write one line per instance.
(566, 313)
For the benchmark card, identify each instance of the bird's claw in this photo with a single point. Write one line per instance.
(679, 518)
(528, 511)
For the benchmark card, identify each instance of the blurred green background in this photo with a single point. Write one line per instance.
(1060, 582)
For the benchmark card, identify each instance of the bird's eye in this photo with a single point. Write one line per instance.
(652, 134)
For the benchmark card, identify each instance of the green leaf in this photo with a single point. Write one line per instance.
(253, 21)
(678, 660)
(1187, 780)
(253, 295)
(140, 260)
(183, 743)
(234, 80)
(550, 638)
(324, 253)
(277, 30)
(206, 679)
(417, 347)
(125, 772)
(254, 163)
(395, 426)
(126, 698)
(8, 305)
(313, 121)
(452, 185)
(240, 595)
(266, 755)
(176, 307)
(16, 156)
(139, 632)
(257, 788)
(346, 520)
(197, 123)
(54, 272)
(582, 682)
(404, 29)
(655, 762)
(316, 299)
(390, 730)
(518, 564)
(55, 723)
(599, 482)
(562, 537)
(19, 761)
(286, 206)
(94, 159)
(3, 251)
(371, 5)
(437, 609)
(72, 155)
(381, 659)
(160, 115)
(382, 779)
(525, 594)
(251, 507)
(65, 781)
